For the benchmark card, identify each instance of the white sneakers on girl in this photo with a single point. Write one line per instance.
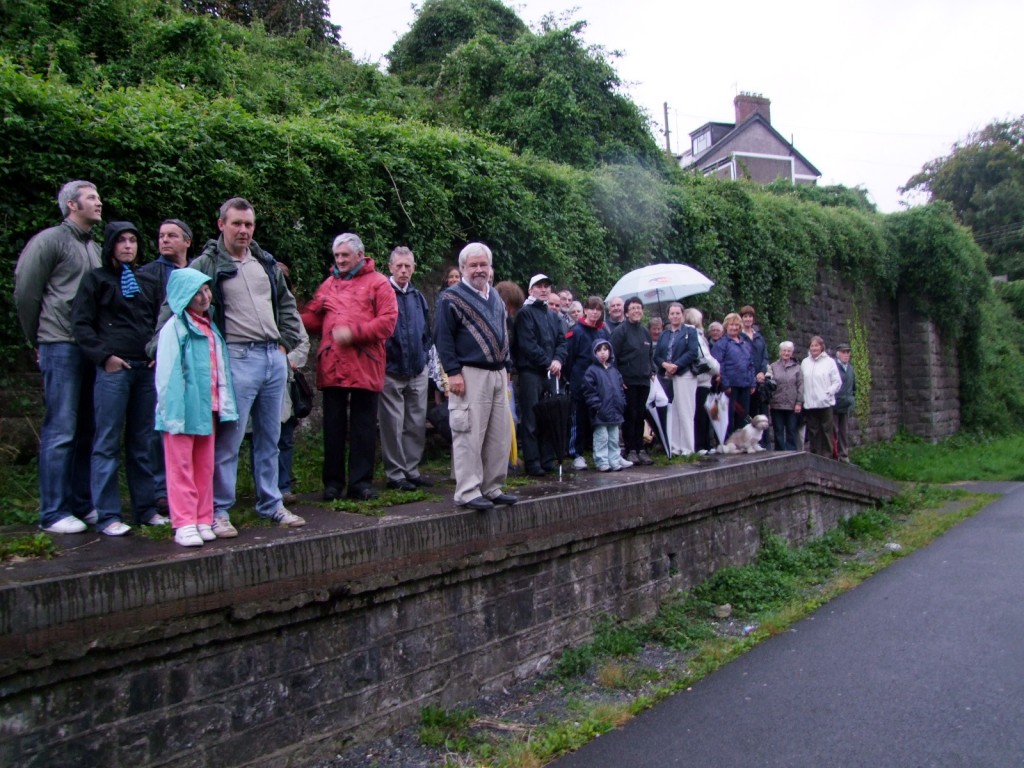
(206, 532)
(188, 536)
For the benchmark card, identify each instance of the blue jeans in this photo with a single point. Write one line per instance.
(606, 446)
(286, 446)
(259, 373)
(65, 440)
(156, 463)
(286, 450)
(124, 403)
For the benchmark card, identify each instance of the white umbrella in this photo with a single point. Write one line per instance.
(717, 406)
(659, 283)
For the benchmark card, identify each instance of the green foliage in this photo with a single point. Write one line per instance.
(962, 457)
(187, 110)
(279, 17)
(445, 727)
(776, 555)
(748, 589)
(860, 359)
(829, 197)
(992, 369)
(38, 545)
(941, 268)
(983, 179)
(676, 627)
(441, 26)
(1012, 293)
(545, 94)
(611, 639)
(870, 524)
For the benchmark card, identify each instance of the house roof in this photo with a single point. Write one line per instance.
(737, 131)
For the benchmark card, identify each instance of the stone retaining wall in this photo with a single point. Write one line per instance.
(915, 375)
(257, 652)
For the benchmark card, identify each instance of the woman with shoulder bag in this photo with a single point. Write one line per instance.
(676, 352)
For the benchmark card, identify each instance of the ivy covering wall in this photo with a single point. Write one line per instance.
(321, 165)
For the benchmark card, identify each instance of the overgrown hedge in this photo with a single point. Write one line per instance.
(160, 150)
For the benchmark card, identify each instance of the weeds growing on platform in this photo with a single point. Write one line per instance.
(629, 666)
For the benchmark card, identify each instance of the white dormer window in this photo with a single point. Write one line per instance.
(702, 142)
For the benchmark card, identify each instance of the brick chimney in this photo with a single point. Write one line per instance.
(748, 104)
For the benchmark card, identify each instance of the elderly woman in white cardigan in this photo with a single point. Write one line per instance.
(821, 382)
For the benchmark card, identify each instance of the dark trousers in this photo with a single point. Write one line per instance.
(785, 428)
(349, 411)
(841, 421)
(739, 409)
(636, 410)
(819, 430)
(537, 454)
(580, 431)
(702, 422)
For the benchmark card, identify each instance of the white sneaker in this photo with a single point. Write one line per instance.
(579, 463)
(223, 529)
(92, 518)
(603, 469)
(158, 519)
(116, 528)
(625, 464)
(188, 536)
(287, 519)
(206, 532)
(69, 524)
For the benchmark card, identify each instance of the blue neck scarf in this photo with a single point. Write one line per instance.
(129, 285)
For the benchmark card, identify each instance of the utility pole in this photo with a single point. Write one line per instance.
(668, 133)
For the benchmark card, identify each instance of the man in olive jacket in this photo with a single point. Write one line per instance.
(46, 279)
(257, 314)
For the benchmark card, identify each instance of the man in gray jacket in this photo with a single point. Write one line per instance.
(46, 279)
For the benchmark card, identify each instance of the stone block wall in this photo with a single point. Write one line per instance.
(915, 376)
(264, 653)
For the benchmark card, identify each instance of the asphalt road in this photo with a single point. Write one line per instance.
(921, 665)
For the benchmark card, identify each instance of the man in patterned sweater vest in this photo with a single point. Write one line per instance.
(472, 344)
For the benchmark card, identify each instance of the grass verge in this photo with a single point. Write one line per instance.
(956, 459)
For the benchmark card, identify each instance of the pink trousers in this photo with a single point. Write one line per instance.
(189, 462)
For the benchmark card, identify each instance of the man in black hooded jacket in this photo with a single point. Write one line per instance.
(538, 356)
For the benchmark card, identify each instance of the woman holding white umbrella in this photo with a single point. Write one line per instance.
(676, 352)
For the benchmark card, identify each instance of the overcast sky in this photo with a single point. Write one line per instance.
(868, 90)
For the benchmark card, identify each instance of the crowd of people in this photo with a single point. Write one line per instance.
(181, 358)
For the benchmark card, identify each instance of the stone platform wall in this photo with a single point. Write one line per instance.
(915, 375)
(261, 653)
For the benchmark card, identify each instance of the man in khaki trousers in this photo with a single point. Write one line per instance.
(471, 338)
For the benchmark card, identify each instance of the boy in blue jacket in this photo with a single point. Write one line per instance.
(605, 394)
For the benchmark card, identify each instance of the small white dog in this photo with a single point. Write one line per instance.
(747, 440)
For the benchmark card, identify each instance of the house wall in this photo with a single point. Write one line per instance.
(758, 140)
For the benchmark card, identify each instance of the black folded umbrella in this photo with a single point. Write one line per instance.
(552, 414)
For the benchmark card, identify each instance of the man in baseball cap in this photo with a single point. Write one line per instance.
(539, 352)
